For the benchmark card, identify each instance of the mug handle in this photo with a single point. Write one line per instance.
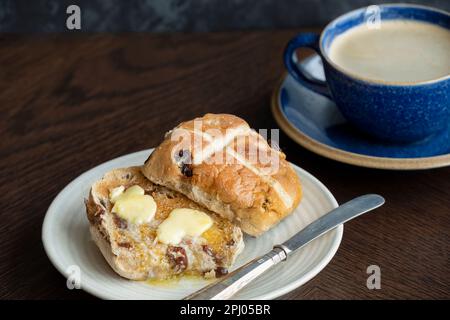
(305, 40)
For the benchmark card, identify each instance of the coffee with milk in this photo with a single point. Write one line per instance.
(394, 51)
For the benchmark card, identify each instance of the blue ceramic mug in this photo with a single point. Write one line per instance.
(407, 111)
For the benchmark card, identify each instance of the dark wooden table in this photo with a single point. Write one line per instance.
(68, 103)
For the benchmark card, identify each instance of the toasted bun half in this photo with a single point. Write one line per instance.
(133, 250)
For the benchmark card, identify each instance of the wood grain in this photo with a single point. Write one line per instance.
(68, 103)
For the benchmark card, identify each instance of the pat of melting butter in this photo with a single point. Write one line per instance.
(183, 222)
(133, 204)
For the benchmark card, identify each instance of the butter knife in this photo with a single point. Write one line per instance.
(230, 284)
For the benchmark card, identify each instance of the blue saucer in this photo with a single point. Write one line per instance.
(316, 123)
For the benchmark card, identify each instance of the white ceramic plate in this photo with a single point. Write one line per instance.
(68, 243)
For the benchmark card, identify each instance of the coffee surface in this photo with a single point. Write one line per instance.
(397, 51)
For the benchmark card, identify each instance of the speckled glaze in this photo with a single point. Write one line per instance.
(390, 111)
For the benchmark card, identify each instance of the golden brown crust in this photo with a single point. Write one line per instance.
(133, 250)
(251, 194)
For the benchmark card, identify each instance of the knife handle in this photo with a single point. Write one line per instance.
(227, 286)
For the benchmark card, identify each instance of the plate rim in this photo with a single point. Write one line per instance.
(348, 157)
(49, 248)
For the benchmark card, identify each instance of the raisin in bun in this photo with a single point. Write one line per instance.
(219, 162)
